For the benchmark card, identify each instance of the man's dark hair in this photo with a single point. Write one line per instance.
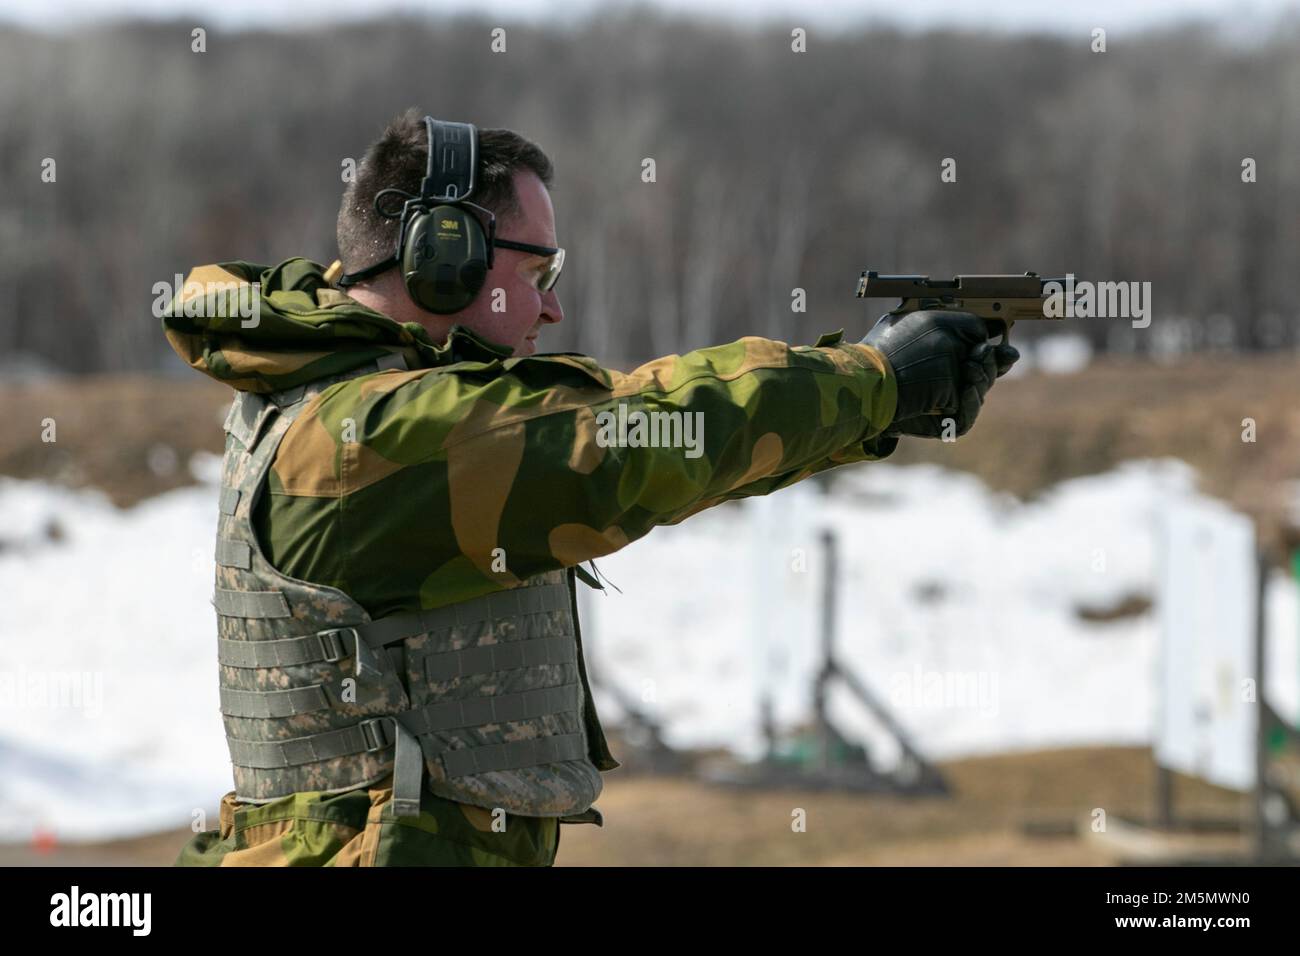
(399, 159)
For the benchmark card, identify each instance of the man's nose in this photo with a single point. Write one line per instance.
(551, 310)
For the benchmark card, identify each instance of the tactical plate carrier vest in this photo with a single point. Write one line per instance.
(489, 696)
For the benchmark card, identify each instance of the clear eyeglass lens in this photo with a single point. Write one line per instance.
(547, 279)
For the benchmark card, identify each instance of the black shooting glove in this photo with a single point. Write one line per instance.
(944, 365)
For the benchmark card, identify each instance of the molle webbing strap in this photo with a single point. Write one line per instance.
(234, 554)
(249, 414)
(445, 715)
(321, 646)
(510, 603)
(369, 735)
(477, 711)
(512, 755)
(229, 500)
(534, 652)
(254, 604)
(442, 715)
(274, 703)
(325, 645)
(330, 646)
(408, 773)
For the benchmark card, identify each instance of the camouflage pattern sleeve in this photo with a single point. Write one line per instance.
(457, 481)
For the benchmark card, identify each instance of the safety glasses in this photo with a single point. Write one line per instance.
(550, 273)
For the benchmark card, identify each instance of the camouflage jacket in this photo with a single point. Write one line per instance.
(474, 470)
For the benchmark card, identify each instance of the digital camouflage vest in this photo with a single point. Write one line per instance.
(489, 697)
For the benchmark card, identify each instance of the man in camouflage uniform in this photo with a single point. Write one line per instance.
(386, 465)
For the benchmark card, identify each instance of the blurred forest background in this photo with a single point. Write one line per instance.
(775, 170)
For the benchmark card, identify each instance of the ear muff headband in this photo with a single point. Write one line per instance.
(442, 248)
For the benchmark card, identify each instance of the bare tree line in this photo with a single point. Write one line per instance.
(774, 170)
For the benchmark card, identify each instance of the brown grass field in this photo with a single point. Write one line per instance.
(994, 817)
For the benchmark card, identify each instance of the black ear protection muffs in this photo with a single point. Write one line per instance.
(443, 249)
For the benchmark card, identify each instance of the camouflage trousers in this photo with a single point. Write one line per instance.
(358, 828)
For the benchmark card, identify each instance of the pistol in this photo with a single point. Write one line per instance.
(999, 300)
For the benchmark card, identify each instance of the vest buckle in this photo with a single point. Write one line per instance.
(375, 734)
(332, 646)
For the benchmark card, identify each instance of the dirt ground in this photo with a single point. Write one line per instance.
(998, 807)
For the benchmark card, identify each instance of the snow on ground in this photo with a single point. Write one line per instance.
(956, 608)
(110, 721)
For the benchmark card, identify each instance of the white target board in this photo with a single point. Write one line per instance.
(1208, 713)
